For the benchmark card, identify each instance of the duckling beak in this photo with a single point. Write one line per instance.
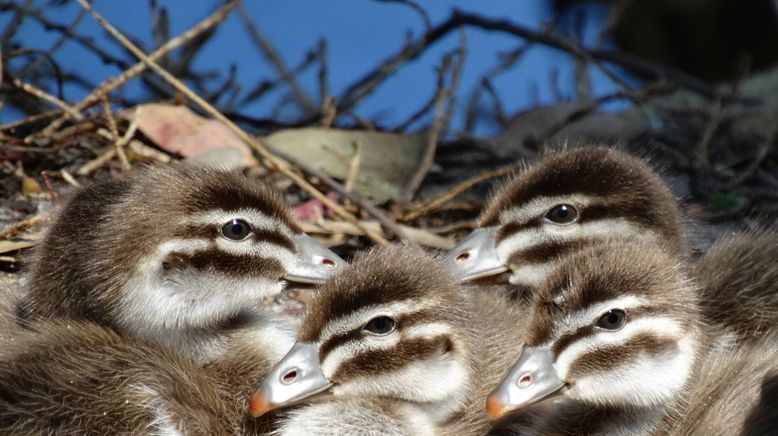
(314, 263)
(296, 377)
(532, 379)
(476, 256)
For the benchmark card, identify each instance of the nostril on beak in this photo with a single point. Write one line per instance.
(329, 263)
(463, 257)
(289, 377)
(524, 381)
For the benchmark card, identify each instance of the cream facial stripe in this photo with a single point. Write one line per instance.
(252, 216)
(540, 205)
(654, 326)
(358, 318)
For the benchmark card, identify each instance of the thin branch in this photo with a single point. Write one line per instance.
(272, 55)
(282, 166)
(436, 203)
(113, 83)
(416, 7)
(365, 205)
(646, 69)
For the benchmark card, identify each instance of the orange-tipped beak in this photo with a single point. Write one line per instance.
(258, 404)
(495, 408)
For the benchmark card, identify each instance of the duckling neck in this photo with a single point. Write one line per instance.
(573, 417)
(271, 335)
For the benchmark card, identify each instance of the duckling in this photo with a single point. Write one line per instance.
(740, 277)
(179, 255)
(569, 200)
(616, 344)
(394, 328)
(76, 377)
(183, 257)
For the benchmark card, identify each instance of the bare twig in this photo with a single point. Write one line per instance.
(413, 235)
(15, 229)
(444, 102)
(272, 55)
(113, 83)
(650, 70)
(354, 165)
(415, 6)
(115, 134)
(282, 166)
(43, 95)
(365, 205)
(438, 202)
(324, 87)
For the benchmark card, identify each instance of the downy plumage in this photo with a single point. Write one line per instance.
(394, 330)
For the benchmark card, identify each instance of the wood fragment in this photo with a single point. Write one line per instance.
(414, 235)
(447, 196)
(114, 129)
(21, 226)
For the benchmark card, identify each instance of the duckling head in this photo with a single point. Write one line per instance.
(569, 200)
(389, 326)
(615, 326)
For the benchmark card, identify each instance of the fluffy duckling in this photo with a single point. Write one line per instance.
(178, 255)
(569, 200)
(616, 344)
(740, 281)
(77, 377)
(394, 329)
(183, 257)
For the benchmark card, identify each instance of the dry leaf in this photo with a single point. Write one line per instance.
(30, 186)
(390, 162)
(176, 129)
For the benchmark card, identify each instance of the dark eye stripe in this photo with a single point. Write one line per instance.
(568, 339)
(260, 235)
(214, 259)
(377, 362)
(275, 238)
(512, 228)
(608, 358)
(403, 321)
(639, 214)
(545, 252)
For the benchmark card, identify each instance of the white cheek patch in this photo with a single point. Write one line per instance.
(644, 381)
(351, 417)
(162, 305)
(532, 275)
(427, 331)
(337, 356)
(442, 379)
(647, 381)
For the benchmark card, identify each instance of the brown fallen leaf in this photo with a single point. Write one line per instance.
(30, 186)
(176, 129)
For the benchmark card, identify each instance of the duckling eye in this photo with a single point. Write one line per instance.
(562, 214)
(380, 325)
(236, 230)
(612, 320)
